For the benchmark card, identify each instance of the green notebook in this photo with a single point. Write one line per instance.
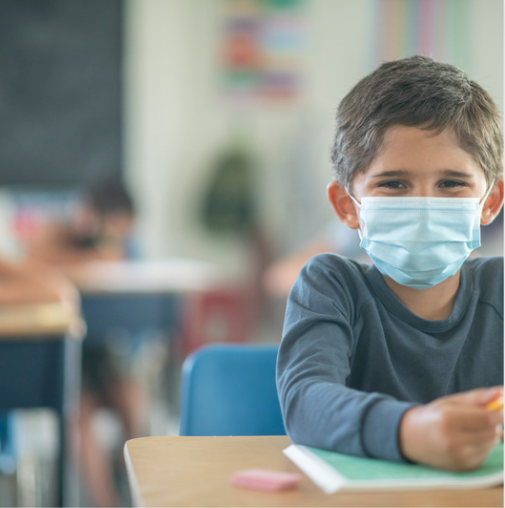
(335, 471)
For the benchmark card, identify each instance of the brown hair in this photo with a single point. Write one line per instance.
(416, 91)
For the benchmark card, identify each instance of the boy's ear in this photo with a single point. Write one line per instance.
(493, 204)
(342, 205)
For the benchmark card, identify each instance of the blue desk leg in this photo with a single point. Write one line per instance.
(68, 491)
(8, 452)
(45, 373)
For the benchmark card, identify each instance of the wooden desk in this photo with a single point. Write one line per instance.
(39, 368)
(19, 322)
(196, 471)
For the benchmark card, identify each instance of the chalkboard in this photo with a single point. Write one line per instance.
(60, 92)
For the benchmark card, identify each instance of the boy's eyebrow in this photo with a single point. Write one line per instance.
(457, 174)
(401, 172)
(391, 172)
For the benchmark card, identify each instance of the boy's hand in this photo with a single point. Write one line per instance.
(454, 432)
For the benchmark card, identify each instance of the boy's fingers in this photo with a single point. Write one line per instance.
(468, 418)
(475, 418)
(495, 404)
(478, 397)
(478, 437)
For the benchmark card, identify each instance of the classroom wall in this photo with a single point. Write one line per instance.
(176, 121)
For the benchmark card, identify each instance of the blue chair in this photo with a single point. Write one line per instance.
(229, 389)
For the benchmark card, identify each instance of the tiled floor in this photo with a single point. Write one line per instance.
(33, 484)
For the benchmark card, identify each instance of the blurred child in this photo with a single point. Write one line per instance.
(99, 229)
(399, 359)
(335, 237)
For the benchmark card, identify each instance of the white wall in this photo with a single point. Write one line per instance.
(176, 120)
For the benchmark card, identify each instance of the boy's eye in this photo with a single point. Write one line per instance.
(452, 184)
(393, 184)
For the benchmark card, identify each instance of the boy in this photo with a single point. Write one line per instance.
(399, 359)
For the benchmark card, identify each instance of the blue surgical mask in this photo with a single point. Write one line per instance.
(420, 241)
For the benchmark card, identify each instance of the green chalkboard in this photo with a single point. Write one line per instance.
(60, 91)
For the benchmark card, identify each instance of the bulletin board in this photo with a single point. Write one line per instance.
(60, 91)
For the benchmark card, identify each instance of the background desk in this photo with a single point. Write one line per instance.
(196, 471)
(173, 276)
(137, 296)
(40, 368)
(140, 295)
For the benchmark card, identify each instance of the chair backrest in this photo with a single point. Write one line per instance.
(229, 389)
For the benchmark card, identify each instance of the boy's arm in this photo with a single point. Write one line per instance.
(320, 411)
(454, 432)
(313, 366)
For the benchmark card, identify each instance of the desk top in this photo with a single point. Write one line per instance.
(43, 320)
(168, 276)
(196, 471)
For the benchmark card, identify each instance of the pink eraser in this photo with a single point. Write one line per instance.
(265, 479)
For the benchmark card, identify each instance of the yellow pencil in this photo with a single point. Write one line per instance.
(495, 404)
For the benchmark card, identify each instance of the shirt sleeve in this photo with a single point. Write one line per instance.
(314, 363)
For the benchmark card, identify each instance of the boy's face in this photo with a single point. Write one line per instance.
(415, 162)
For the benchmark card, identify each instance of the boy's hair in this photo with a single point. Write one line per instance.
(416, 92)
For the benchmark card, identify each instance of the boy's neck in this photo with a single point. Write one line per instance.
(435, 303)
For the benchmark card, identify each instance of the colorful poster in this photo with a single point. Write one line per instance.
(262, 47)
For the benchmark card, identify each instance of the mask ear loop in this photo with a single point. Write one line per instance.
(486, 195)
(358, 204)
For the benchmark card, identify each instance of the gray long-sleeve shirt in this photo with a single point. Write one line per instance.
(353, 358)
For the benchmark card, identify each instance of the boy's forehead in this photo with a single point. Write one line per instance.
(396, 136)
(420, 150)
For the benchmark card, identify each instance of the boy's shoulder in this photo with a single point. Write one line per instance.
(487, 274)
(334, 269)
(330, 280)
(332, 261)
(486, 266)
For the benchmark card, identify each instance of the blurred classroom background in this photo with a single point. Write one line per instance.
(217, 115)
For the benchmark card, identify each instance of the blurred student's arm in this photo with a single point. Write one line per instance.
(334, 237)
(34, 282)
(280, 276)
